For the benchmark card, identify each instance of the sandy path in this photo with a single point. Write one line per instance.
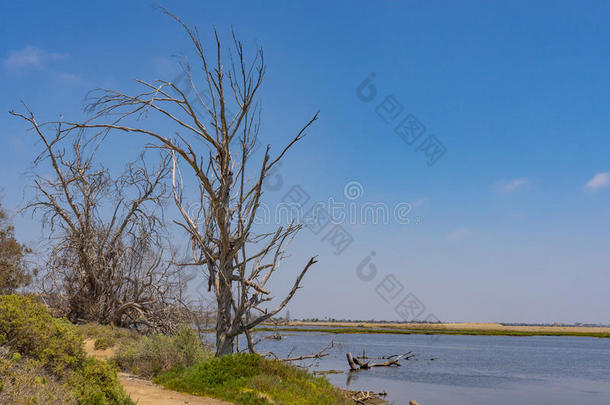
(99, 354)
(144, 392)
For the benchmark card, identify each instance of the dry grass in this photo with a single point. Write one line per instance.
(459, 326)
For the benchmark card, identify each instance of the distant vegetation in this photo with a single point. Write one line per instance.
(436, 331)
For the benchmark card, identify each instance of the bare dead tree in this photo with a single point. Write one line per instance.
(213, 147)
(109, 261)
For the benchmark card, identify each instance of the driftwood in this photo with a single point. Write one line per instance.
(326, 372)
(320, 354)
(356, 363)
(367, 397)
(276, 332)
(362, 397)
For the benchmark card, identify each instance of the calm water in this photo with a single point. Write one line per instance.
(469, 370)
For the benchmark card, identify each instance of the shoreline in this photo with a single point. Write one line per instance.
(483, 329)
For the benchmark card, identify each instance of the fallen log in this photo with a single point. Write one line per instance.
(320, 354)
(362, 397)
(325, 372)
(351, 361)
(366, 397)
(357, 364)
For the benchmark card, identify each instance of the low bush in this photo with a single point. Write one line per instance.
(110, 333)
(103, 343)
(249, 379)
(26, 382)
(30, 330)
(53, 347)
(151, 355)
(97, 384)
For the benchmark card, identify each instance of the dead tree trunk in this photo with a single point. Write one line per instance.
(351, 362)
(224, 341)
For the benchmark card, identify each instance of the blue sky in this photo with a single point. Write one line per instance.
(511, 224)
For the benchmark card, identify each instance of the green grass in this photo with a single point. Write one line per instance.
(249, 379)
(437, 332)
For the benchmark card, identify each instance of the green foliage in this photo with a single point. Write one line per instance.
(252, 380)
(190, 347)
(112, 333)
(33, 332)
(97, 384)
(26, 382)
(55, 347)
(150, 355)
(14, 272)
(103, 343)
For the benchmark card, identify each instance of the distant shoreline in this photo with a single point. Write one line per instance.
(489, 329)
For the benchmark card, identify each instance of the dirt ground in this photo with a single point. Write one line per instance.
(144, 392)
(99, 354)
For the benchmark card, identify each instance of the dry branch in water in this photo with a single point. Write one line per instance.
(356, 363)
(322, 353)
(367, 397)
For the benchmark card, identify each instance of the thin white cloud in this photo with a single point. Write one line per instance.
(418, 202)
(459, 234)
(513, 185)
(28, 57)
(165, 66)
(600, 180)
(69, 77)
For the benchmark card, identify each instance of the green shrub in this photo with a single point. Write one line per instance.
(103, 343)
(190, 347)
(115, 334)
(54, 351)
(252, 380)
(26, 382)
(30, 330)
(150, 355)
(97, 384)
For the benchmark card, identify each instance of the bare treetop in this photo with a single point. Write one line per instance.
(213, 146)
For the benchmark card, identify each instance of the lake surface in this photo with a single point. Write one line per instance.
(468, 370)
